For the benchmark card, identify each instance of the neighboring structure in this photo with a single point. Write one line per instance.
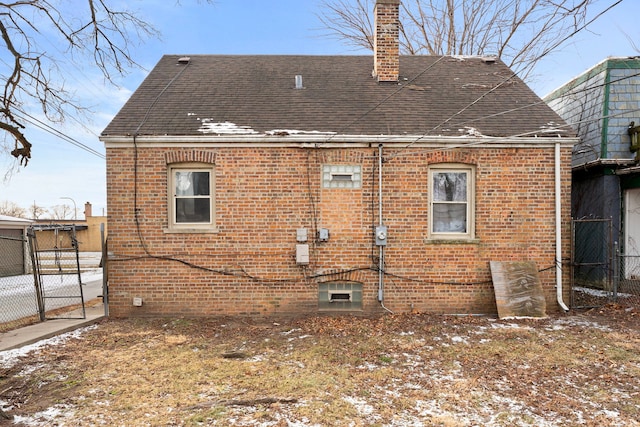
(603, 104)
(14, 256)
(88, 230)
(296, 184)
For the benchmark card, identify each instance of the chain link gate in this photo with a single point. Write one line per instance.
(592, 263)
(18, 303)
(54, 253)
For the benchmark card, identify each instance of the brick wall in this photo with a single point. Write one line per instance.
(263, 195)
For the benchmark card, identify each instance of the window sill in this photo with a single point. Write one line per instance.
(340, 310)
(453, 241)
(190, 230)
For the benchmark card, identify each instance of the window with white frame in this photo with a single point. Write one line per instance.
(451, 201)
(191, 194)
(341, 176)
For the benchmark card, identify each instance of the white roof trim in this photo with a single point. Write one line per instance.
(13, 222)
(331, 141)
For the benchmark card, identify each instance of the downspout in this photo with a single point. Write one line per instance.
(558, 231)
(381, 223)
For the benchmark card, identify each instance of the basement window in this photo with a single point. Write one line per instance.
(340, 296)
(341, 176)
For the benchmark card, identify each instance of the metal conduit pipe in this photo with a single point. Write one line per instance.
(380, 223)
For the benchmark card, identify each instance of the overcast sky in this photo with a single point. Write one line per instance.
(60, 171)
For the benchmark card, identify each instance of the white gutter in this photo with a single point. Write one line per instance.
(311, 140)
(559, 231)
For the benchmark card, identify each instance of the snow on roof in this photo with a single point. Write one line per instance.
(13, 219)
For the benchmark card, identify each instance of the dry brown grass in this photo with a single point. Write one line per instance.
(413, 370)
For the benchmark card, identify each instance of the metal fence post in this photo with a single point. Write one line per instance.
(36, 273)
(105, 278)
(616, 269)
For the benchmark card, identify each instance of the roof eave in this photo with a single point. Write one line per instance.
(310, 140)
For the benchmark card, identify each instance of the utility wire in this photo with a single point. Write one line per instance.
(244, 274)
(47, 128)
(542, 55)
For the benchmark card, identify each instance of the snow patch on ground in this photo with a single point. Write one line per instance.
(56, 415)
(361, 405)
(498, 407)
(9, 358)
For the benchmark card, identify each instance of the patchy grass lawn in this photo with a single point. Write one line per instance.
(398, 370)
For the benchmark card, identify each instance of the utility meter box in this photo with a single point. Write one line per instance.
(302, 254)
(323, 234)
(301, 235)
(381, 235)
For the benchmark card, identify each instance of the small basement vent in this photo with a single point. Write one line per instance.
(340, 296)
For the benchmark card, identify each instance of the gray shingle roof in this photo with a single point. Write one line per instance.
(256, 94)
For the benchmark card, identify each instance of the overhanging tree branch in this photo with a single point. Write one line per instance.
(518, 31)
(91, 30)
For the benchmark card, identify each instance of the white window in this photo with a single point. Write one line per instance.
(451, 201)
(341, 176)
(191, 194)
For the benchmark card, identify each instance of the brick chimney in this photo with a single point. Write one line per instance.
(386, 44)
(87, 210)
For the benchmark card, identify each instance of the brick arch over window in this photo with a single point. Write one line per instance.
(190, 156)
(341, 156)
(453, 156)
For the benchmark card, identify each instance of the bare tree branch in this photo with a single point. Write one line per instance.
(519, 31)
(91, 29)
(11, 209)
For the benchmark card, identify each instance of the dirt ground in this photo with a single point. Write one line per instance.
(576, 369)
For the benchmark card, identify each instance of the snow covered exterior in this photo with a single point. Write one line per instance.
(262, 185)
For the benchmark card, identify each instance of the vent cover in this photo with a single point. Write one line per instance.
(340, 296)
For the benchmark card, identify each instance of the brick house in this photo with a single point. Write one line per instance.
(262, 185)
(603, 104)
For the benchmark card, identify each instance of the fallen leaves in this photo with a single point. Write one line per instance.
(319, 370)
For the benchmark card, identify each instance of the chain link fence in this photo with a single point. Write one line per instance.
(40, 276)
(592, 267)
(18, 295)
(627, 283)
(57, 264)
(600, 273)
